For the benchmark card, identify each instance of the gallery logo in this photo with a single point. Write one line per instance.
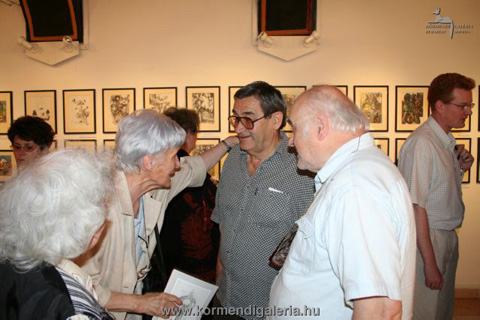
(440, 24)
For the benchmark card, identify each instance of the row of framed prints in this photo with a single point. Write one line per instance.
(79, 106)
(384, 145)
(8, 165)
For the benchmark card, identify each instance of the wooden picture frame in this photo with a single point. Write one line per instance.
(383, 144)
(290, 93)
(8, 166)
(398, 146)
(287, 17)
(202, 145)
(89, 144)
(231, 102)
(160, 98)
(117, 103)
(411, 107)
(373, 102)
(42, 104)
(206, 102)
(467, 143)
(79, 111)
(344, 89)
(6, 111)
(109, 143)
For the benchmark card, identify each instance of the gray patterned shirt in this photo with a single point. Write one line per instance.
(254, 213)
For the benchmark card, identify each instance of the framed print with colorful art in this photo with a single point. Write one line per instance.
(7, 164)
(373, 102)
(290, 93)
(202, 145)
(117, 103)
(398, 146)
(79, 112)
(411, 107)
(206, 102)
(467, 144)
(159, 99)
(383, 144)
(88, 144)
(6, 111)
(42, 104)
(231, 101)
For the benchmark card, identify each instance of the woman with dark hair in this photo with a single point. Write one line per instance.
(30, 137)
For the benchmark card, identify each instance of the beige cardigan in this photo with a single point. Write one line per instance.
(111, 263)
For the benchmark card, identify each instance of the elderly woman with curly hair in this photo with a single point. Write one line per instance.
(52, 211)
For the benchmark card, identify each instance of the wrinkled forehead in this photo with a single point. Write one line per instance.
(247, 106)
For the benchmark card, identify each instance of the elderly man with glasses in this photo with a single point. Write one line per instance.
(433, 166)
(259, 198)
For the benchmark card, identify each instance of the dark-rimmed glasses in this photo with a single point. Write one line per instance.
(28, 148)
(246, 122)
(464, 107)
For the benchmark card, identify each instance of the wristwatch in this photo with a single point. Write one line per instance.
(226, 145)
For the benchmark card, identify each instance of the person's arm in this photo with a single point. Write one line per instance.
(219, 268)
(159, 304)
(433, 277)
(377, 308)
(214, 154)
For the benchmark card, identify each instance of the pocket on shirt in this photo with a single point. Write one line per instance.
(273, 208)
(301, 253)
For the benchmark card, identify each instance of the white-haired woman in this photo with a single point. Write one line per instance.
(51, 212)
(149, 176)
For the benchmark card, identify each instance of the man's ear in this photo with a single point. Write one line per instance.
(277, 119)
(322, 125)
(148, 162)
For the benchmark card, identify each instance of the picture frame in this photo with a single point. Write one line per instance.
(109, 143)
(206, 102)
(6, 111)
(373, 102)
(42, 104)
(290, 93)
(160, 98)
(467, 143)
(117, 103)
(411, 107)
(196, 294)
(383, 144)
(398, 146)
(287, 18)
(231, 102)
(478, 160)
(202, 145)
(53, 146)
(8, 166)
(79, 111)
(89, 144)
(344, 89)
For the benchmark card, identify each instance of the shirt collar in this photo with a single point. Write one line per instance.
(341, 156)
(446, 139)
(282, 148)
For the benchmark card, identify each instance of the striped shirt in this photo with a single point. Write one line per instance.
(254, 213)
(432, 171)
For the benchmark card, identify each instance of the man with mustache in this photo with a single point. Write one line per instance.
(260, 196)
(433, 167)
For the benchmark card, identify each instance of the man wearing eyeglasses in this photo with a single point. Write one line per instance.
(259, 198)
(433, 167)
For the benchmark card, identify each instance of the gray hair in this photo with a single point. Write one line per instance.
(342, 113)
(142, 133)
(52, 208)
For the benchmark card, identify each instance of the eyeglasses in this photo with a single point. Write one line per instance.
(28, 148)
(464, 107)
(246, 122)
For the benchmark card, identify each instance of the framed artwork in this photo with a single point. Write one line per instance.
(7, 164)
(290, 93)
(79, 112)
(373, 102)
(117, 103)
(202, 145)
(411, 107)
(42, 104)
(159, 99)
(206, 102)
(478, 160)
(53, 146)
(6, 111)
(88, 144)
(109, 143)
(231, 101)
(196, 294)
(398, 146)
(467, 144)
(344, 89)
(383, 144)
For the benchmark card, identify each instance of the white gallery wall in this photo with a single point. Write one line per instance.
(165, 43)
